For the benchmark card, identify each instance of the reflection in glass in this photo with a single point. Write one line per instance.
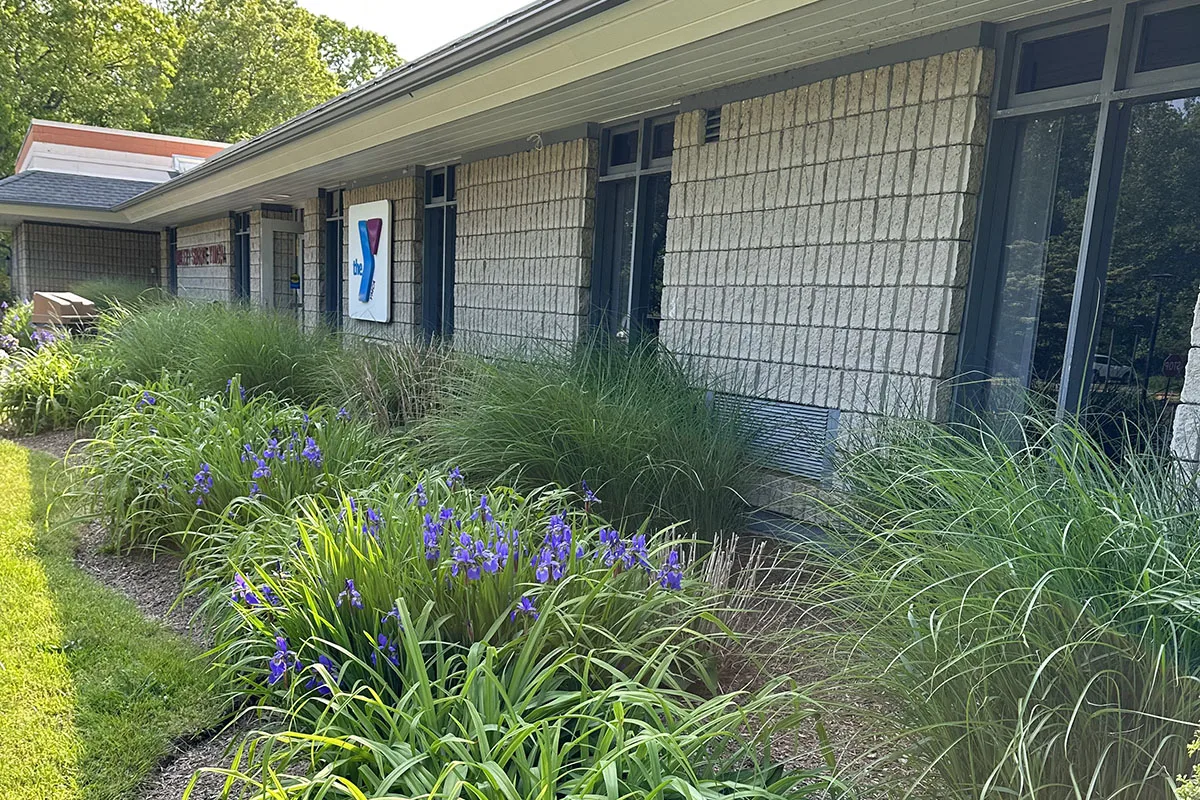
(616, 201)
(658, 195)
(1153, 273)
(1169, 39)
(1044, 223)
(1076, 57)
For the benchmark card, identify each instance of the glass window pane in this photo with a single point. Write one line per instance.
(623, 148)
(437, 185)
(1153, 275)
(1076, 57)
(1169, 39)
(664, 140)
(1044, 224)
(658, 195)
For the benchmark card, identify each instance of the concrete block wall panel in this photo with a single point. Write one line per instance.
(313, 276)
(818, 252)
(524, 247)
(57, 257)
(407, 196)
(164, 260)
(214, 282)
(1185, 432)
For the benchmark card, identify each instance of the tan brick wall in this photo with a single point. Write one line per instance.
(524, 247)
(407, 196)
(819, 251)
(57, 257)
(214, 282)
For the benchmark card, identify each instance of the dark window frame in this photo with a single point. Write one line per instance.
(438, 253)
(333, 209)
(240, 228)
(1114, 97)
(645, 169)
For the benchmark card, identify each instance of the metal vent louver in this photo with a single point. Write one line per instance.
(712, 125)
(786, 437)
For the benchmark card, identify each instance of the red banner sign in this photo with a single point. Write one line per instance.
(201, 256)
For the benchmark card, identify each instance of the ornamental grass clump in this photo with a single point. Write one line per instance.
(493, 566)
(44, 385)
(631, 421)
(169, 461)
(1029, 610)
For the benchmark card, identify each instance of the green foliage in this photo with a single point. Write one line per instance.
(1029, 609)
(1189, 788)
(108, 293)
(93, 694)
(213, 69)
(40, 388)
(631, 421)
(501, 722)
(17, 321)
(170, 460)
(206, 345)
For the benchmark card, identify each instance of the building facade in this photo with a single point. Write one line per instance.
(842, 210)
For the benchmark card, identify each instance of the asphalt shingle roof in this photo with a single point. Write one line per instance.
(36, 187)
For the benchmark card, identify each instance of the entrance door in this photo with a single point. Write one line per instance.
(282, 265)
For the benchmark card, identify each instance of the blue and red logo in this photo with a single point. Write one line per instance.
(368, 234)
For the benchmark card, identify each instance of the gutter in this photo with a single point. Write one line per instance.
(523, 26)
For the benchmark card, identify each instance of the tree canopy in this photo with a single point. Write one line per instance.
(211, 69)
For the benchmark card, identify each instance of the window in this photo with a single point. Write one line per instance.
(1064, 60)
(334, 242)
(712, 125)
(441, 209)
(1169, 39)
(632, 200)
(241, 255)
(172, 262)
(1085, 277)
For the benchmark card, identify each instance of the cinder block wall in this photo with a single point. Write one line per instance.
(407, 196)
(214, 282)
(818, 252)
(57, 257)
(524, 247)
(313, 276)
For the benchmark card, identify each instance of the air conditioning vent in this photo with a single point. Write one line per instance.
(786, 437)
(712, 125)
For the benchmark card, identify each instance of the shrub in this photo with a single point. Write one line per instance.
(630, 421)
(108, 293)
(1028, 608)
(16, 326)
(1189, 788)
(394, 385)
(169, 459)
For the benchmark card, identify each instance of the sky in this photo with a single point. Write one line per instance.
(416, 26)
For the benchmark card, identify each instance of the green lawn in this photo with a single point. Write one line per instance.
(91, 693)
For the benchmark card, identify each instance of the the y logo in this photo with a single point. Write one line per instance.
(368, 234)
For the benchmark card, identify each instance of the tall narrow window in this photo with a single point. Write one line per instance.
(631, 227)
(241, 255)
(437, 291)
(334, 219)
(172, 262)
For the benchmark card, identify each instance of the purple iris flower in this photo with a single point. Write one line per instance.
(243, 592)
(388, 648)
(311, 452)
(455, 478)
(147, 400)
(418, 495)
(373, 524)
(524, 607)
(269, 596)
(282, 660)
(261, 470)
(670, 576)
(350, 593)
(202, 484)
(343, 415)
(254, 490)
(433, 536)
(316, 681)
(589, 497)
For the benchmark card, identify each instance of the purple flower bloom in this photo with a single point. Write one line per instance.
(316, 681)
(42, 337)
(269, 596)
(670, 576)
(455, 478)
(9, 343)
(147, 400)
(388, 648)
(247, 453)
(261, 470)
(312, 452)
(202, 484)
(350, 593)
(343, 415)
(373, 524)
(241, 389)
(283, 660)
(524, 607)
(589, 497)
(254, 490)
(418, 495)
(243, 592)
(483, 510)
(433, 535)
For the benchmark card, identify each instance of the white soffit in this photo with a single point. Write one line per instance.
(639, 56)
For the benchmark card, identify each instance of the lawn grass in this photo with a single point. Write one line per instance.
(91, 692)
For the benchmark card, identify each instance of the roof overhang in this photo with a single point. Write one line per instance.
(13, 213)
(550, 66)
